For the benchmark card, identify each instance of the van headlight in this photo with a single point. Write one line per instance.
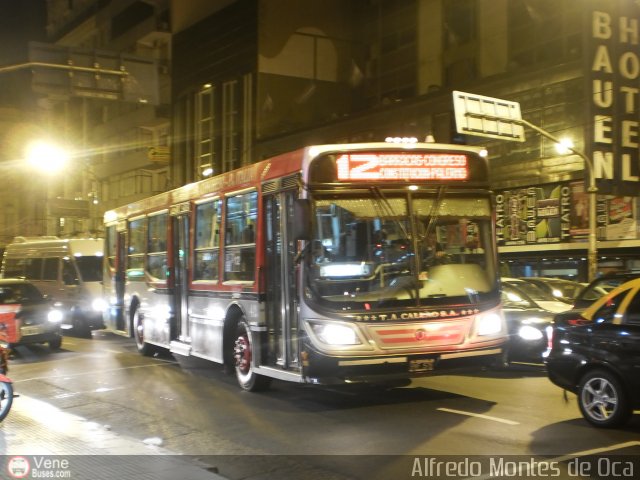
(488, 324)
(98, 305)
(335, 334)
(55, 316)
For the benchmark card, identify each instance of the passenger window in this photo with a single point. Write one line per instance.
(69, 275)
(135, 257)
(50, 271)
(207, 242)
(240, 250)
(157, 247)
(607, 312)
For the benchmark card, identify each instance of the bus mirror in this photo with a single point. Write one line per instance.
(302, 219)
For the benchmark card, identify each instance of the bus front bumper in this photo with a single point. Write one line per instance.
(323, 369)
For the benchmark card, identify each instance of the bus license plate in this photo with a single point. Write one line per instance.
(422, 365)
(31, 330)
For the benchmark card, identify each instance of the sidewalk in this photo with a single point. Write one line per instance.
(50, 443)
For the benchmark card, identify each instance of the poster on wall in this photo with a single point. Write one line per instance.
(533, 215)
(559, 212)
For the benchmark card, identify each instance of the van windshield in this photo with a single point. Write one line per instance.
(90, 268)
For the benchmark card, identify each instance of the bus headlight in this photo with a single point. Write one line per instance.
(527, 332)
(55, 316)
(335, 334)
(488, 324)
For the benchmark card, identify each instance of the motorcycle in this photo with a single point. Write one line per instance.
(6, 385)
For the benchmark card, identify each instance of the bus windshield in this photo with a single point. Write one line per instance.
(400, 249)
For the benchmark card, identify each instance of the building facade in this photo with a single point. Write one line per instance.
(253, 78)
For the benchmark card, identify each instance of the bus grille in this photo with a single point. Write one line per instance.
(432, 334)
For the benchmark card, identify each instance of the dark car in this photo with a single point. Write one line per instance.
(592, 292)
(564, 290)
(597, 356)
(27, 316)
(529, 327)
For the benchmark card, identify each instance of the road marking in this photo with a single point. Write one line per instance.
(597, 451)
(71, 375)
(478, 415)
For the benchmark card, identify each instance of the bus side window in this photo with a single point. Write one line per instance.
(240, 257)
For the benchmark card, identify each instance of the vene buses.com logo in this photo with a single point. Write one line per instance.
(18, 467)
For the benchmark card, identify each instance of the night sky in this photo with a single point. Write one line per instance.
(21, 21)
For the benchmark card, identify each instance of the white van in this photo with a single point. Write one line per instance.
(69, 271)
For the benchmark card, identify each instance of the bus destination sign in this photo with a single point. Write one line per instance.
(402, 166)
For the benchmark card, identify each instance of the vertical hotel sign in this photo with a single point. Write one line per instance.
(613, 53)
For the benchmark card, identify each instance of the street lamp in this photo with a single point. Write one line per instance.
(46, 157)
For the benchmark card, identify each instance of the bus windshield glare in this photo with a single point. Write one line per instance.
(392, 250)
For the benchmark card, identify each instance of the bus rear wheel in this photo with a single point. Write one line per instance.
(248, 379)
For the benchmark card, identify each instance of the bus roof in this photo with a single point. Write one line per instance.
(272, 168)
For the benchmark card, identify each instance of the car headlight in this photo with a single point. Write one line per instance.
(488, 324)
(55, 316)
(98, 305)
(335, 334)
(527, 332)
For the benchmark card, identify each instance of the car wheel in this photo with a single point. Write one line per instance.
(602, 400)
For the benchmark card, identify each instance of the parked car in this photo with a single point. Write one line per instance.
(597, 356)
(539, 297)
(27, 316)
(529, 327)
(564, 290)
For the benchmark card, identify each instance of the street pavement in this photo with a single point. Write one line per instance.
(38, 440)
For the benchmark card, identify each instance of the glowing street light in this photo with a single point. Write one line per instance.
(564, 146)
(46, 157)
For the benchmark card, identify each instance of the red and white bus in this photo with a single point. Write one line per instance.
(344, 263)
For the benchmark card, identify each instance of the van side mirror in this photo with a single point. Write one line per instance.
(302, 219)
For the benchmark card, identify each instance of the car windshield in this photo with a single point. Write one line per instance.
(400, 249)
(512, 298)
(19, 293)
(536, 293)
(90, 267)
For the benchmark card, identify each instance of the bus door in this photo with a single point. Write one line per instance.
(180, 274)
(279, 281)
(120, 277)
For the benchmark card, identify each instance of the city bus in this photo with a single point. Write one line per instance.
(332, 264)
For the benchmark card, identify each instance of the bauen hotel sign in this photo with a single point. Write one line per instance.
(613, 54)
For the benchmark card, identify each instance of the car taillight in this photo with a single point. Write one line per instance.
(577, 321)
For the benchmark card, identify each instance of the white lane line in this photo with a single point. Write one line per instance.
(478, 415)
(597, 451)
(71, 375)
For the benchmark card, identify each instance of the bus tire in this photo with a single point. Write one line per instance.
(137, 321)
(243, 343)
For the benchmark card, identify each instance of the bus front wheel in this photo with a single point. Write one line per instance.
(248, 379)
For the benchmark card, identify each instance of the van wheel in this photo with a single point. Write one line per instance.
(56, 343)
(248, 379)
(138, 333)
(602, 400)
